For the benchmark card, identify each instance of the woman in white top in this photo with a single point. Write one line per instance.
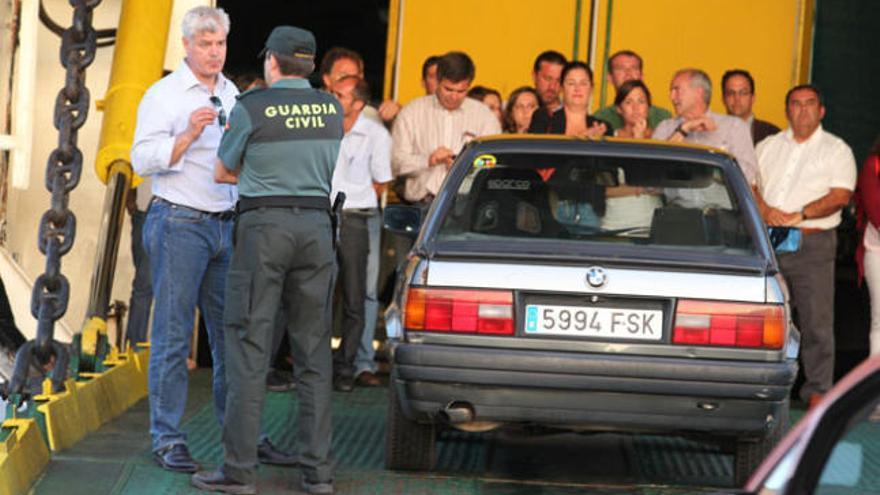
(628, 206)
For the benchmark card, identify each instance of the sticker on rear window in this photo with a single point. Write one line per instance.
(485, 161)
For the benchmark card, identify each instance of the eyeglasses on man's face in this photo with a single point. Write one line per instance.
(221, 114)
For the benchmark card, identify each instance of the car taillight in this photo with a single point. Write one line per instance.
(459, 311)
(729, 324)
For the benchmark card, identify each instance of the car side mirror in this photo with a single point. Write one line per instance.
(404, 220)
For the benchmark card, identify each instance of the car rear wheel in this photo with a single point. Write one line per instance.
(750, 452)
(409, 445)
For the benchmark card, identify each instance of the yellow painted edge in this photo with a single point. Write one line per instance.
(85, 406)
(23, 456)
(391, 47)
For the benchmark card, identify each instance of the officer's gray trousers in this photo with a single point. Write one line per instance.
(279, 252)
(809, 273)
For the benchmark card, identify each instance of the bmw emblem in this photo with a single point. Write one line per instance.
(596, 276)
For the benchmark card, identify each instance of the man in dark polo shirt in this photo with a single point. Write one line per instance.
(280, 147)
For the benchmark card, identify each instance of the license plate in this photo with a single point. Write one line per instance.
(582, 321)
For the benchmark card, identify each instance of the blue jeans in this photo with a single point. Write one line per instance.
(141, 288)
(189, 254)
(365, 359)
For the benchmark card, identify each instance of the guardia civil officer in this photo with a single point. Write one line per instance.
(280, 147)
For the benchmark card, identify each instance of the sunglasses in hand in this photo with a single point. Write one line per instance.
(221, 114)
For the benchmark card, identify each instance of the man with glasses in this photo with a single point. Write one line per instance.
(188, 229)
(738, 91)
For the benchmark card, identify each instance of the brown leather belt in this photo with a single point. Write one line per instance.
(812, 230)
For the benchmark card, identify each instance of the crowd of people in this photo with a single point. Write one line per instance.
(238, 220)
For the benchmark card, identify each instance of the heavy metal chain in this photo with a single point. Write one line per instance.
(58, 224)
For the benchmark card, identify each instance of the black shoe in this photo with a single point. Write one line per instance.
(343, 384)
(317, 488)
(367, 379)
(280, 381)
(270, 454)
(216, 481)
(176, 458)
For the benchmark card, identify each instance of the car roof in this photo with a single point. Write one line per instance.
(542, 141)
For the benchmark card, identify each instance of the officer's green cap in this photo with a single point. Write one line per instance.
(291, 41)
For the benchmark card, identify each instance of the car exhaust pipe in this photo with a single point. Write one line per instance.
(457, 412)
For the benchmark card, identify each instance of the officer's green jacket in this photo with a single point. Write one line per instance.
(284, 140)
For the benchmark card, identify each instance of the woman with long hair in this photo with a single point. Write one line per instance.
(574, 118)
(626, 206)
(632, 103)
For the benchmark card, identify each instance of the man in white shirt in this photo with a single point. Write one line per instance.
(362, 170)
(806, 176)
(431, 130)
(188, 227)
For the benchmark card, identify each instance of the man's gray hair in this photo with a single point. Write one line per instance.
(204, 18)
(698, 79)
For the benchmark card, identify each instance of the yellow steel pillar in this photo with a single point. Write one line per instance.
(137, 62)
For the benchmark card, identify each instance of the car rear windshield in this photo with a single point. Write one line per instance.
(642, 201)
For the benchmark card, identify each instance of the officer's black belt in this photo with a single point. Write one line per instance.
(219, 215)
(307, 202)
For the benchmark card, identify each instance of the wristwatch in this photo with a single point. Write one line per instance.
(680, 130)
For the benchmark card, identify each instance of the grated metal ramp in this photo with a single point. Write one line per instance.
(117, 459)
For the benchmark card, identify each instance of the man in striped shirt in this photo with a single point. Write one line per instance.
(431, 130)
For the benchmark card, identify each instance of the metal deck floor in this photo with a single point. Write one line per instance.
(117, 459)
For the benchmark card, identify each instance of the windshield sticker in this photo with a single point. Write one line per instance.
(508, 185)
(485, 161)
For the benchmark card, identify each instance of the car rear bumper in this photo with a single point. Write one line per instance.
(591, 391)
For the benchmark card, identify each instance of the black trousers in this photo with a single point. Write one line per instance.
(282, 254)
(354, 246)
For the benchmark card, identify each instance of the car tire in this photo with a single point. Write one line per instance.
(750, 452)
(409, 445)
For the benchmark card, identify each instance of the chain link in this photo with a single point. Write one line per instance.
(57, 229)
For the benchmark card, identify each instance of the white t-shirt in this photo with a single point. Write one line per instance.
(364, 158)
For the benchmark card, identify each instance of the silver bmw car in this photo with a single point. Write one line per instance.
(609, 285)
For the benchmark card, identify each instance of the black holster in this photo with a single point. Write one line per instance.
(336, 217)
